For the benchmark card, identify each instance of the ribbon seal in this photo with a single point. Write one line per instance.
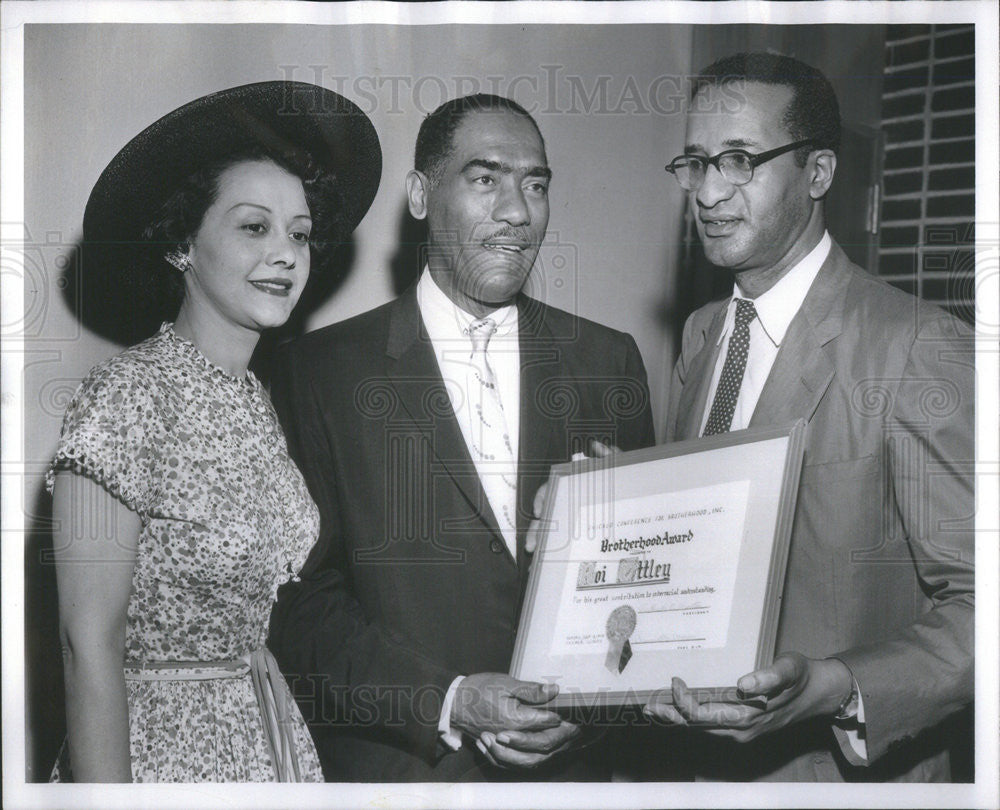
(619, 627)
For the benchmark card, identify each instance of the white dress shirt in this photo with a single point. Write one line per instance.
(446, 325)
(775, 310)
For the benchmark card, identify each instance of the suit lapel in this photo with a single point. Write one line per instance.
(538, 352)
(539, 443)
(413, 372)
(802, 370)
(694, 397)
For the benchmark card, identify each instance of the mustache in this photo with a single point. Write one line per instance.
(509, 232)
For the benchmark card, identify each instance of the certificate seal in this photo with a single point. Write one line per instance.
(619, 628)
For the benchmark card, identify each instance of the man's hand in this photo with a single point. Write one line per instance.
(500, 713)
(531, 537)
(527, 749)
(597, 450)
(795, 688)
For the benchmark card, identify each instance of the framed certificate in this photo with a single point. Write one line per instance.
(661, 562)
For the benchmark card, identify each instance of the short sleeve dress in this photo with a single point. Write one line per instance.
(226, 517)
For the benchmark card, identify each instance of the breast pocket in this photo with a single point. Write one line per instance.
(849, 469)
(839, 504)
(837, 522)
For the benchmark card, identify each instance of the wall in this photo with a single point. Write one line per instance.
(606, 99)
(929, 184)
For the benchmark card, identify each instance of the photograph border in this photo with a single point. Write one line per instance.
(14, 14)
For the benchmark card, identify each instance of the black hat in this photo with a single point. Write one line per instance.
(281, 117)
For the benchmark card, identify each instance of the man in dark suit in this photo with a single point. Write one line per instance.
(876, 621)
(424, 429)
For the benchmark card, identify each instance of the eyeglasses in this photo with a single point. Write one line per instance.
(735, 165)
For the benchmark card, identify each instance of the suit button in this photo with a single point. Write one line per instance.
(496, 546)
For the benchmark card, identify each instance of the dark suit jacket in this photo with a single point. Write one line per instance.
(410, 583)
(880, 569)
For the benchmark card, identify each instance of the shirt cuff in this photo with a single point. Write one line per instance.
(450, 738)
(851, 724)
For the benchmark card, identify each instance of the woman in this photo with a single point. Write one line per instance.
(179, 512)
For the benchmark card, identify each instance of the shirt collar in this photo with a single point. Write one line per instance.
(446, 321)
(776, 307)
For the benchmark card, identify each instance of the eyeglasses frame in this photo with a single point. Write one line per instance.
(755, 161)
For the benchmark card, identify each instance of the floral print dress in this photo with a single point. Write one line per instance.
(226, 519)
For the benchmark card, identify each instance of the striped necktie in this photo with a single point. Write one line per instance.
(490, 440)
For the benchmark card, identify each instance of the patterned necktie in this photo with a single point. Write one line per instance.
(490, 441)
(720, 418)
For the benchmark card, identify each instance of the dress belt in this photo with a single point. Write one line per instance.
(273, 697)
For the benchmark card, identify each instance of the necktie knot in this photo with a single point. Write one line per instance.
(745, 311)
(480, 332)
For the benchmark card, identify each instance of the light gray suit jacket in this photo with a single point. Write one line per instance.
(880, 569)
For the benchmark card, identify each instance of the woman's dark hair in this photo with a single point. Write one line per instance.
(181, 214)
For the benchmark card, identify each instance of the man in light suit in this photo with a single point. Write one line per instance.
(876, 624)
(424, 429)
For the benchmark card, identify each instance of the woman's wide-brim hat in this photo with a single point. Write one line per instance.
(280, 116)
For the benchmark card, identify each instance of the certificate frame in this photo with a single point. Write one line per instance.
(699, 597)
